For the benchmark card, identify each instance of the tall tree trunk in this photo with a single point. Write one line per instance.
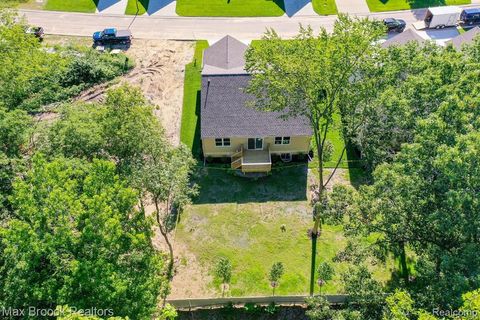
(317, 215)
(403, 262)
(164, 233)
(312, 267)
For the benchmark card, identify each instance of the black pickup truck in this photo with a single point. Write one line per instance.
(112, 36)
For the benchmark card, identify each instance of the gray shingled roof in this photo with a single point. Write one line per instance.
(403, 38)
(227, 56)
(224, 112)
(465, 38)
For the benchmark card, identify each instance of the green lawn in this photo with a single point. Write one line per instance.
(230, 8)
(390, 5)
(324, 7)
(132, 7)
(334, 136)
(242, 219)
(190, 129)
(88, 6)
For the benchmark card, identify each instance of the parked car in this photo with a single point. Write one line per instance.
(470, 16)
(112, 36)
(36, 31)
(395, 25)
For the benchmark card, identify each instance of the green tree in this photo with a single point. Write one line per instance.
(76, 238)
(318, 308)
(13, 138)
(276, 272)
(66, 313)
(223, 271)
(471, 305)
(365, 294)
(325, 273)
(315, 77)
(163, 178)
(125, 130)
(399, 306)
(122, 129)
(424, 200)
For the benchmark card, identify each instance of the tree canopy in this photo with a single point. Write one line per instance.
(77, 239)
(426, 199)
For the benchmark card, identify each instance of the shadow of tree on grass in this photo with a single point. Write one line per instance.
(218, 184)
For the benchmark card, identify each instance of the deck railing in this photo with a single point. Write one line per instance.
(237, 161)
(237, 158)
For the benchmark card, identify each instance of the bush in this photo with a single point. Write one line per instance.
(168, 313)
(33, 76)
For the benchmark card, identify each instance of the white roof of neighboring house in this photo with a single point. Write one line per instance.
(445, 10)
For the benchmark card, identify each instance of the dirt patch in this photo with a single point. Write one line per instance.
(339, 178)
(190, 277)
(159, 72)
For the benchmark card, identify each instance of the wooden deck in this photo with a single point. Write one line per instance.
(252, 160)
(256, 157)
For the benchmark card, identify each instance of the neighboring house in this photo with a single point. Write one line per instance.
(230, 128)
(465, 38)
(403, 38)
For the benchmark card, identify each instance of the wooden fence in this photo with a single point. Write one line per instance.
(188, 304)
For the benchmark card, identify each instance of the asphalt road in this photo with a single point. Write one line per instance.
(186, 28)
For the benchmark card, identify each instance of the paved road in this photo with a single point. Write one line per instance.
(186, 28)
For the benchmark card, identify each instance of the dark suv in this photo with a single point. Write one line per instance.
(395, 25)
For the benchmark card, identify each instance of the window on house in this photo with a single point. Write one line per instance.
(222, 142)
(282, 140)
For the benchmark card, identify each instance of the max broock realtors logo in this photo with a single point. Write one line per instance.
(46, 312)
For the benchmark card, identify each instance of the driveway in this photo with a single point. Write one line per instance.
(112, 6)
(352, 6)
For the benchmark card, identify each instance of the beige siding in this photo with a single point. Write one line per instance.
(210, 150)
(298, 144)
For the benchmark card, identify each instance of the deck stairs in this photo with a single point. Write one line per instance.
(237, 159)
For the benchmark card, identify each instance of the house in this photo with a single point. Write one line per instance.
(403, 38)
(230, 128)
(465, 38)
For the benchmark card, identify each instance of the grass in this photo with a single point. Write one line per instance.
(324, 7)
(349, 160)
(87, 6)
(391, 5)
(190, 129)
(242, 220)
(230, 8)
(31, 5)
(132, 7)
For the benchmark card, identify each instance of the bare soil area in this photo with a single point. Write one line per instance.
(190, 278)
(159, 72)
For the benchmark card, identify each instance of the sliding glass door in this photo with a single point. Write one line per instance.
(255, 144)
